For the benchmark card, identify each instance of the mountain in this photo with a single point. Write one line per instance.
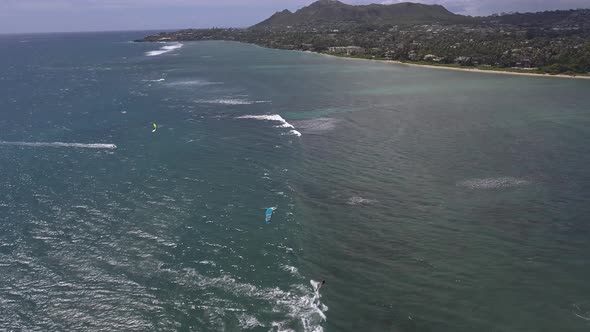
(333, 11)
(556, 18)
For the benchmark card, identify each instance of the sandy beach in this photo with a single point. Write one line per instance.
(466, 69)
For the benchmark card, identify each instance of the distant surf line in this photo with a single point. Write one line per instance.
(230, 101)
(274, 117)
(165, 49)
(60, 145)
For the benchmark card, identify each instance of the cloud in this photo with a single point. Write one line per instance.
(471, 7)
(59, 5)
(487, 7)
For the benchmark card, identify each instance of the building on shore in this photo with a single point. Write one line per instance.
(348, 50)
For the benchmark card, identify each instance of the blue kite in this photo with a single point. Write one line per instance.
(269, 212)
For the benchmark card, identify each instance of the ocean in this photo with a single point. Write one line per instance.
(429, 200)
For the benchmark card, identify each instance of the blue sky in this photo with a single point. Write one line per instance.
(97, 15)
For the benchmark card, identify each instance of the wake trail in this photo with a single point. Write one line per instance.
(60, 145)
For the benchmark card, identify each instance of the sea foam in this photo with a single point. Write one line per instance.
(165, 49)
(194, 82)
(357, 200)
(276, 118)
(317, 126)
(298, 305)
(493, 183)
(61, 145)
(230, 101)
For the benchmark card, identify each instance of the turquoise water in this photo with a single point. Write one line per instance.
(429, 200)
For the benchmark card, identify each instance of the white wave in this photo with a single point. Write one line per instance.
(60, 145)
(165, 49)
(493, 183)
(192, 83)
(357, 200)
(299, 305)
(291, 269)
(148, 236)
(158, 80)
(248, 322)
(208, 263)
(276, 118)
(230, 101)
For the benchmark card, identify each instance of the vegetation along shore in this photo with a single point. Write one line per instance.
(550, 43)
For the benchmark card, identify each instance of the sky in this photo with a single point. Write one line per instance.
(18, 16)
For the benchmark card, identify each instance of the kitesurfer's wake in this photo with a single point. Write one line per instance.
(316, 285)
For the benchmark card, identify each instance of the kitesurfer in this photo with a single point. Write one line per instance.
(320, 284)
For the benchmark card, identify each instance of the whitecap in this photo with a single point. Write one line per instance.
(357, 200)
(294, 132)
(165, 49)
(230, 101)
(291, 269)
(298, 305)
(248, 322)
(276, 118)
(493, 183)
(208, 263)
(195, 82)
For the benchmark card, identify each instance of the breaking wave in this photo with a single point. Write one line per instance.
(230, 101)
(60, 145)
(192, 83)
(291, 269)
(165, 49)
(276, 118)
(357, 200)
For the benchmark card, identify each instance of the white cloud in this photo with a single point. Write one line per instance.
(76, 15)
(471, 7)
(486, 7)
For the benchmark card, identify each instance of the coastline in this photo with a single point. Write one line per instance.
(492, 70)
(464, 69)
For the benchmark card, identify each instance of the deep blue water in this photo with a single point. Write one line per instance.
(429, 200)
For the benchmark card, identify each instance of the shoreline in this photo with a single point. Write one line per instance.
(443, 67)
(418, 65)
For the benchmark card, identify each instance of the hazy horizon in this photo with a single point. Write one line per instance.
(39, 16)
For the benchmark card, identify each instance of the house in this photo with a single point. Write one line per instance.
(463, 60)
(390, 54)
(431, 57)
(348, 50)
